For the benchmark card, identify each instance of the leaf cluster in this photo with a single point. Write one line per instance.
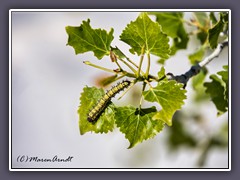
(145, 38)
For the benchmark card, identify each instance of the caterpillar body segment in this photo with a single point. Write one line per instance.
(103, 103)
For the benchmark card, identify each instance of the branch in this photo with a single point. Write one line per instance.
(215, 53)
(195, 69)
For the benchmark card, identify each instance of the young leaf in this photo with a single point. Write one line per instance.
(161, 73)
(170, 96)
(197, 56)
(137, 124)
(144, 33)
(89, 98)
(216, 91)
(118, 52)
(84, 38)
(214, 32)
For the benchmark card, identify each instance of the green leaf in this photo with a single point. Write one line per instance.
(201, 20)
(181, 41)
(213, 18)
(170, 22)
(178, 135)
(144, 33)
(137, 124)
(197, 56)
(202, 36)
(197, 84)
(224, 16)
(161, 73)
(224, 75)
(89, 98)
(214, 33)
(84, 38)
(118, 53)
(161, 61)
(170, 96)
(216, 91)
(199, 78)
(172, 25)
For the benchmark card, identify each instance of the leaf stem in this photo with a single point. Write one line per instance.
(148, 84)
(98, 67)
(124, 73)
(129, 60)
(120, 77)
(128, 65)
(128, 74)
(120, 68)
(141, 61)
(148, 65)
(143, 88)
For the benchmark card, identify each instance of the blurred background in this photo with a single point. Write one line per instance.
(47, 79)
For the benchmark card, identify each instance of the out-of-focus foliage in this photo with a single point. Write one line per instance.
(218, 90)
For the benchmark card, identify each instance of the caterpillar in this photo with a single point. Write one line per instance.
(102, 104)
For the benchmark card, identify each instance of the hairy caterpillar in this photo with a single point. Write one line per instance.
(98, 109)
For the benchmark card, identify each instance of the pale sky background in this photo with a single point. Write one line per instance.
(47, 79)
